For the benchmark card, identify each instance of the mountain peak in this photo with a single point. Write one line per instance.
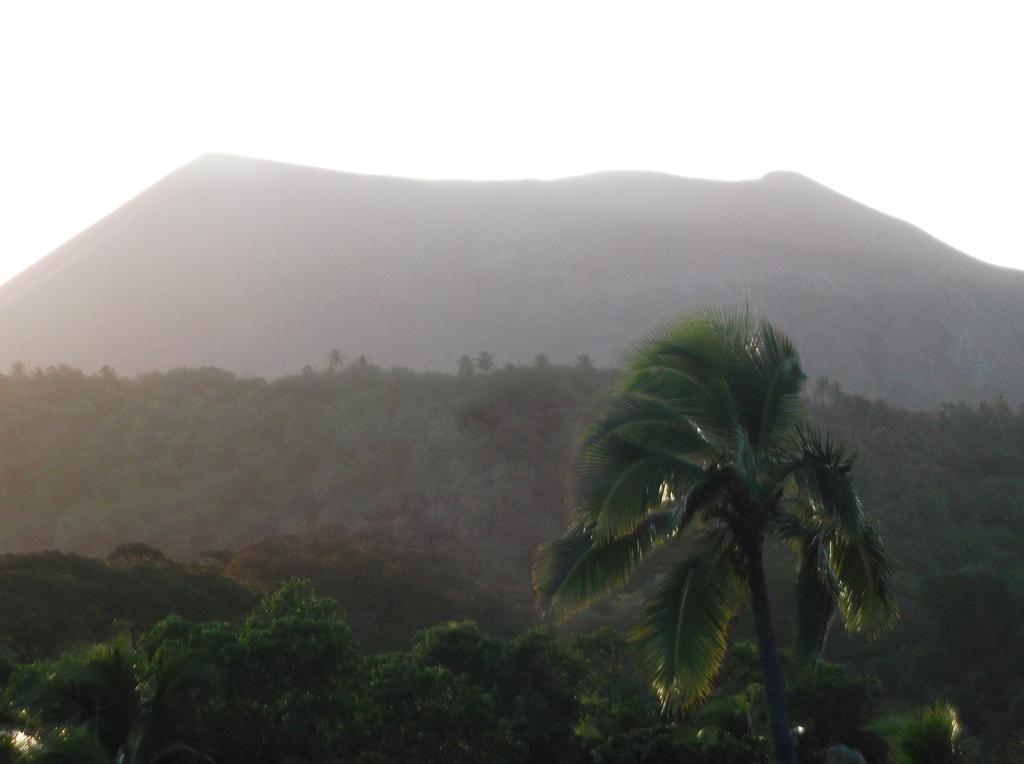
(788, 176)
(263, 267)
(788, 179)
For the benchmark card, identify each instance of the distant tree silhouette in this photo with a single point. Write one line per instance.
(821, 387)
(335, 360)
(584, 362)
(466, 367)
(484, 361)
(137, 553)
(826, 391)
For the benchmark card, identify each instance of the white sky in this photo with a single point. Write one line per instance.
(914, 108)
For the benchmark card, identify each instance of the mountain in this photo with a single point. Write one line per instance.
(261, 268)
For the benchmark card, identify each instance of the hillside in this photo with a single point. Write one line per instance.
(52, 601)
(262, 268)
(412, 498)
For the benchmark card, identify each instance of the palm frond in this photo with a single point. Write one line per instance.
(697, 338)
(767, 382)
(774, 346)
(791, 528)
(648, 423)
(713, 484)
(728, 372)
(820, 470)
(836, 571)
(697, 366)
(578, 568)
(782, 406)
(682, 633)
(922, 734)
(619, 483)
(864, 577)
(705, 402)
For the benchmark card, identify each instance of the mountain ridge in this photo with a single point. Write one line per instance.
(262, 267)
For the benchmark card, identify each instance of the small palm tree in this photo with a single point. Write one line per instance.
(923, 734)
(94, 708)
(705, 440)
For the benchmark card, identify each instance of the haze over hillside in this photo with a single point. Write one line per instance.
(261, 267)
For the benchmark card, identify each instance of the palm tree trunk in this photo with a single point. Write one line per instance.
(771, 667)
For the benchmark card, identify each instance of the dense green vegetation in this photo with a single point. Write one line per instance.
(50, 601)
(461, 477)
(193, 460)
(289, 683)
(948, 488)
(389, 587)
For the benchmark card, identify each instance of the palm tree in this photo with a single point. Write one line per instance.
(92, 707)
(335, 360)
(704, 440)
(923, 734)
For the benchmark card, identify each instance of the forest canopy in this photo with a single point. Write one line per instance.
(470, 469)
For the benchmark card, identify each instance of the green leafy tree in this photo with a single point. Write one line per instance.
(704, 441)
(286, 680)
(302, 668)
(533, 680)
(426, 713)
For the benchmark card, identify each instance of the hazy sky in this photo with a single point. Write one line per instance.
(913, 108)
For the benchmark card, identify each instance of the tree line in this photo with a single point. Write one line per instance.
(473, 470)
(288, 682)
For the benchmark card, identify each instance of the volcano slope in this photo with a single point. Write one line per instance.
(262, 268)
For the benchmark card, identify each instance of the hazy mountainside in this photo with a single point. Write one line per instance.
(262, 268)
